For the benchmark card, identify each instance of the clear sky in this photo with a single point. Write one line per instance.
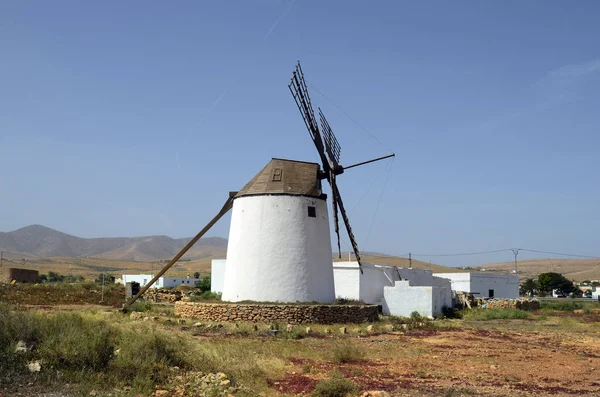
(136, 118)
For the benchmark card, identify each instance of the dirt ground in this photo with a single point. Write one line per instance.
(463, 362)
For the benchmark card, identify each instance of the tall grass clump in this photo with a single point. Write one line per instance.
(15, 327)
(76, 344)
(142, 358)
(345, 351)
(495, 314)
(336, 386)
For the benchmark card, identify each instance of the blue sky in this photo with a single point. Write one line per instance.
(136, 118)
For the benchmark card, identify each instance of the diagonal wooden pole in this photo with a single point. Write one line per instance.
(226, 207)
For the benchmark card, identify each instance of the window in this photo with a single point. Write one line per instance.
(312, 212)
(277, 174)
(491, 293)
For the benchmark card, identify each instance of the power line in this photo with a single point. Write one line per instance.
(467, 253)
(352, 119)
(380, 199)
(560, 254)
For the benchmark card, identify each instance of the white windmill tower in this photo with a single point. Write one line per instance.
(279, 247)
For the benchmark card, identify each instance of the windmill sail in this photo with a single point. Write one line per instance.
(329, 151)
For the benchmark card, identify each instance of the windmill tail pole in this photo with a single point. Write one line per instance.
(226, 207)
(370, 161)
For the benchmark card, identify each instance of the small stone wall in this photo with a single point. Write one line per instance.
(522, 304)
(292, 314)
(7, 275)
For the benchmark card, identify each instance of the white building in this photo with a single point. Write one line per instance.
(279, 247)
(162, 282)
(400, 291)
(484, 285)
(217, 275)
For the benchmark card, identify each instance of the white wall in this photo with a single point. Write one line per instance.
(346, 280)
(402, 299)
(277, 253)
(162, 282)
(504, 286)
(217, 275)
(169, 282)
(368, 287)
(142, 279)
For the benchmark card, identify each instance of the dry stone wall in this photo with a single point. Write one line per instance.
(292, 314)
(522, 304)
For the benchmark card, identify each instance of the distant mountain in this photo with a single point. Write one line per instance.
(41, 241)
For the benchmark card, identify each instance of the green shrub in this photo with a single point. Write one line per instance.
(204, 284)
(336, 386)
(345, 351)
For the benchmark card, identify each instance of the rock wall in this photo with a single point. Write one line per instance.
(292, 314)
(7, 275)
(523, 304)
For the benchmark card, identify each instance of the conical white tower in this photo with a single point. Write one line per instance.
(279, 246)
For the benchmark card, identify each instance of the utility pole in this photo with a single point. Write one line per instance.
(516, 252)
(102, 298)
(1, 257)
(409, 260)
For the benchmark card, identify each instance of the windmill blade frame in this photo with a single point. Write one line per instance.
(332, 145)
(338, 198)
(299, 92)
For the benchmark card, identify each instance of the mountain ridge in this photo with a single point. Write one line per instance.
(42, 241)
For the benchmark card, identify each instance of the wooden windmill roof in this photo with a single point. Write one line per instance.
(285, 177)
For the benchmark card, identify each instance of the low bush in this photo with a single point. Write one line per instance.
(452, 312)
(346, 301)
(345, 351)
(140, 306)
(336, 386)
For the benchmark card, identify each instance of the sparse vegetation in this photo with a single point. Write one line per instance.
(566, 305)
(206, 296)
(495, 314)
(75, 346)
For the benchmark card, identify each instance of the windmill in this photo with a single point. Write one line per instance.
(279, 247)
(329, 151)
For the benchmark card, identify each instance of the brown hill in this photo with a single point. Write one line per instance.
(574, 269)
(40, 241)
(401, 262)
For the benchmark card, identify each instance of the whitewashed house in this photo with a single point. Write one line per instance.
(400, 291)
(484, 285)
(162, 282)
